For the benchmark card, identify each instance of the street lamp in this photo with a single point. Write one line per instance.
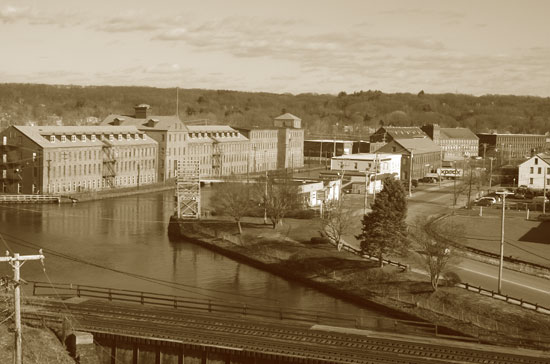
(504, 194)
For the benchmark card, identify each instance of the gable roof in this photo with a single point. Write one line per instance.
(402, 132)
(40, 134)
(165, 123)
(543, 156)
(457, 133)
(287, 116)
(418, 145)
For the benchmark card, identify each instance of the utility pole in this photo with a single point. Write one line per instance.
(366, 192)
(470, 186)
(454, 187)
(410, 173)
(504, 194)
(15, 262)
(491, 172)
(544, 191)
(375, 173)
(265, 192)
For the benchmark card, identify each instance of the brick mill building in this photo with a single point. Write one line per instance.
(63, 159)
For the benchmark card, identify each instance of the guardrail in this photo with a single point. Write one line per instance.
(516, 301)
(29, 199)
(359, 252)
(67, 290)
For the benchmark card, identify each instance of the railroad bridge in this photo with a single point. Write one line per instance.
(131, 327)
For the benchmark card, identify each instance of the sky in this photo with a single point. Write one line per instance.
(287, 46)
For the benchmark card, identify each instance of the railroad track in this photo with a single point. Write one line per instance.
(265, 337)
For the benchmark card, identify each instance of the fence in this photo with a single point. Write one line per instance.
(482, 325)
(29, 199)
(516, 301)
(355, 251)
(66, 290)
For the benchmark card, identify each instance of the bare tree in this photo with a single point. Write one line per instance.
(233, 199)
(436, 247)
(282, 196)
(336, 221)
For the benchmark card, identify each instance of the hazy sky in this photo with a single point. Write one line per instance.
(475, 47)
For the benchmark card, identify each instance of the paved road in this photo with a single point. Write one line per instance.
(432, 200)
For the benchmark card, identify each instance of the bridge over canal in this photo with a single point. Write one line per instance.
(144, 328)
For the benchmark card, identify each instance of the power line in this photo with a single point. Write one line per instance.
(174, 285)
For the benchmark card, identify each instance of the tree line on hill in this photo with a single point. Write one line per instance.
(354, 114)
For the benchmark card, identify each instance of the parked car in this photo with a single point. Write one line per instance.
(519, 195)
(540, 199)
(485, 201)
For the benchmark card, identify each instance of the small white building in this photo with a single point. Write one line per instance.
(375, 165)
(381, 163)
(315, 193)
(533, 171)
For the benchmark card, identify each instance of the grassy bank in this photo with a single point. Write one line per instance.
(40, 346)
(287, 251)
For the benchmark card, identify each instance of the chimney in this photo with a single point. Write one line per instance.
(433, 131)
(141, 111)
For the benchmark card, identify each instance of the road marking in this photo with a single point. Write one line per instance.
(505, 280)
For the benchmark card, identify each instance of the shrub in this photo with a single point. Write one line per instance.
(451, 278)
(302, 214)
(319, 240)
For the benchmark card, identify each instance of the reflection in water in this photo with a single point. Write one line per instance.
(123, 243)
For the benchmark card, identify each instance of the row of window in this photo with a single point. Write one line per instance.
(93, 168)
(89, 154)
(93, 137)
(539, 170)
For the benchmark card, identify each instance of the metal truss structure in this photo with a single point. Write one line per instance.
(188, 190)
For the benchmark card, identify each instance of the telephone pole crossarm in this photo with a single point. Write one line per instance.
(15, 262)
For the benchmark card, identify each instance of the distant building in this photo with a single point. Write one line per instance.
(533, 171)
(383, 163)
(376, 166)
(425, 155)
(65, 159)
(288, 121)
(455, 143)
(169, 132)
(263, 148)
(386, 134)
(290, 141)
(326, 148)
(509, 147)
(221, 150)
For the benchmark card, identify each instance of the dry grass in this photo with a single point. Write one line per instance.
(288, 248)
(40, 346)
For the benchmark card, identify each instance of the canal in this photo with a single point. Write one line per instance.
(123, 243)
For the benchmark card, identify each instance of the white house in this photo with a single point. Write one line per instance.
(533, 171)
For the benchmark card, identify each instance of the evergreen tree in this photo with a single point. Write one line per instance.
(384, 230)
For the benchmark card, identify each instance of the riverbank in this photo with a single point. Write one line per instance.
(118, 192)
(288, 252)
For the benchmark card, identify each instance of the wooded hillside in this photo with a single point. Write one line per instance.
(350, 114)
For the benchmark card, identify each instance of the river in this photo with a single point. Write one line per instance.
(123, 243)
